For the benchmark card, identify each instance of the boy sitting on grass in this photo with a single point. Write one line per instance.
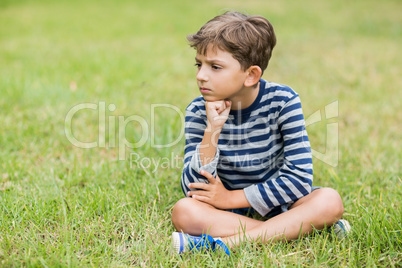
(247, 149)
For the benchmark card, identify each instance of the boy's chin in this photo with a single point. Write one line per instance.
(211, 98)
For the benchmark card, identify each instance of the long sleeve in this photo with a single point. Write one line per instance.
(294, 177)
(195, 124)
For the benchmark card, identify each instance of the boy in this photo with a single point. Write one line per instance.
(246, 149)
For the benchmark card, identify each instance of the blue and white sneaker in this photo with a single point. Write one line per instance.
(185, 243)
(341, 228)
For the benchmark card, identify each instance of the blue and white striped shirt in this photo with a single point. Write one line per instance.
(263, 149)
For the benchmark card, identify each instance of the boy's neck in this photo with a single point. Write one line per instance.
(247, 98)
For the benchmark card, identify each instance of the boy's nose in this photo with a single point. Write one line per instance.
(201, 75)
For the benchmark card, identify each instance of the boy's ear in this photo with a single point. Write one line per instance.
(253, 76)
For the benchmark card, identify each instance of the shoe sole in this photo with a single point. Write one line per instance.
(178, 242)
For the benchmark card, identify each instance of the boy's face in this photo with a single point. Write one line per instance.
(220, 76)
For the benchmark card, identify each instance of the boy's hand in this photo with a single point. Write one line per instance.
(213, 193)
(217, 113)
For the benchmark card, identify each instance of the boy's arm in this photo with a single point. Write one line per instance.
(217, 114)
(202, 135)
(213, 191)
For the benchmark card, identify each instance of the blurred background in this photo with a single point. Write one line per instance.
(126, 56)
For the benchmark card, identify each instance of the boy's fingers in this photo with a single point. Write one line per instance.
(198, 185)
(208, 175)
(200, 198)
(225, 113)
(221, 107)
(192, 194)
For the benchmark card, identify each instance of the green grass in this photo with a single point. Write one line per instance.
(65, 206)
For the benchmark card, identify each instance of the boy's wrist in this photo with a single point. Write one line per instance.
(237, 199)
(213, 129)
(211, 135)
(209, 145)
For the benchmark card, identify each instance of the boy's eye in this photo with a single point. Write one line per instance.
(213, 66)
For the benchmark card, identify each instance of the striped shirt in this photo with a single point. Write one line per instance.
(263, 149)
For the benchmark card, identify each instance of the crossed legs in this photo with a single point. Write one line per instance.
(323, 207)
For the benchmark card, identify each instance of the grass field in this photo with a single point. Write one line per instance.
(126, 68)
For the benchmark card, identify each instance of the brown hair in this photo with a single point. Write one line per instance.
(250, 39)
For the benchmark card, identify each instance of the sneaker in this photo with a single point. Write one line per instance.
(184, 242)
(341, 228)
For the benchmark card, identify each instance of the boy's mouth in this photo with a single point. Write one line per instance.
(204, 90)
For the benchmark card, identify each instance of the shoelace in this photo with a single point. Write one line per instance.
(207, 242)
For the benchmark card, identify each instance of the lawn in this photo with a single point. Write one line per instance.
(91, 115)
